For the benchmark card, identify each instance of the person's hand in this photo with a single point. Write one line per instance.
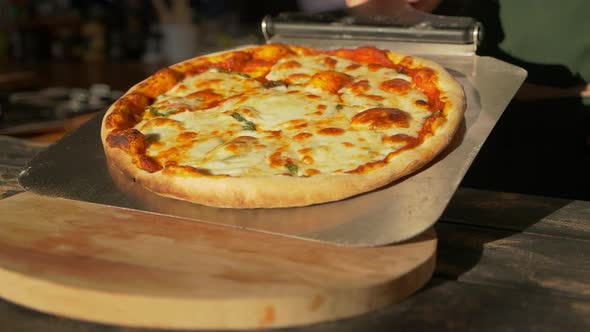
(389, 7)
(529, 91)
(424, 5)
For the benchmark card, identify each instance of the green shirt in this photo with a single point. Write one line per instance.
(549, 38)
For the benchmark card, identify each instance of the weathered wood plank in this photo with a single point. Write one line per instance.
(16, 152)
(441, 306)
(515, 260)
(456, 306)
(8, 184)
(518, 212)
(573, 220)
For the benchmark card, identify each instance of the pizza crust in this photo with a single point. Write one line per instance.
(290, 191)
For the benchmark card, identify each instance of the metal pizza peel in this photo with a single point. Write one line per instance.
(75, 167)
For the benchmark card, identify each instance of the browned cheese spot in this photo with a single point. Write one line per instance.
(307, 160)
(302, 136)
(331, 131)
(396, 85)
(276, 159)
(162, 122)
(311, 172)
(272, 52)
(305, 156)
(241, 144)
(291, 64)
(171, 153)
(374, 66)
(373, 97)
(352, 66)
(146, 163)
(232, 147)
(381, 118)
(297, 78)
(201, 84)
(186, 136)
(273, 134)
(330, 81)
(358, 87)
(330, 63)
(208, 98)
(296, 124)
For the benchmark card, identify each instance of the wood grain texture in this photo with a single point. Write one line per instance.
(521, 213)
(126, 267)
(457, 306)
(442, 305)
(514, 260)
(14, 154)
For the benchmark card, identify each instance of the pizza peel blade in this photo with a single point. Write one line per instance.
(75, 168)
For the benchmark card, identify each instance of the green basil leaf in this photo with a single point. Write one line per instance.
(225, 71)
(272, 84)
(292, 168)
(238, 117)
(156, 111)
(247, 125)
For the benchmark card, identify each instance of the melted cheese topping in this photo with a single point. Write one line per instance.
(315, 114)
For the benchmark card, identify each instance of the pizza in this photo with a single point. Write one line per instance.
(282, 125)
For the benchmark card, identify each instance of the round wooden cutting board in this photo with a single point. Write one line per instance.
(126, 267)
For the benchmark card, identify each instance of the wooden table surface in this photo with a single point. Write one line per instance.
(506, 262)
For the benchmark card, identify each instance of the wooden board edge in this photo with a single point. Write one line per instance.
(306, 307)
(139, 311)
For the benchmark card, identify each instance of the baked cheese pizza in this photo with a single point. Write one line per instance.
(282, 125)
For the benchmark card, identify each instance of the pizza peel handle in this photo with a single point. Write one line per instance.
(406, 29)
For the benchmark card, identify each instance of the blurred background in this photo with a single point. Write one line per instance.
(63, 59)
(37, 31)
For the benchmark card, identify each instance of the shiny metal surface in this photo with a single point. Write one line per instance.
(408, 26)
(75, 168)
